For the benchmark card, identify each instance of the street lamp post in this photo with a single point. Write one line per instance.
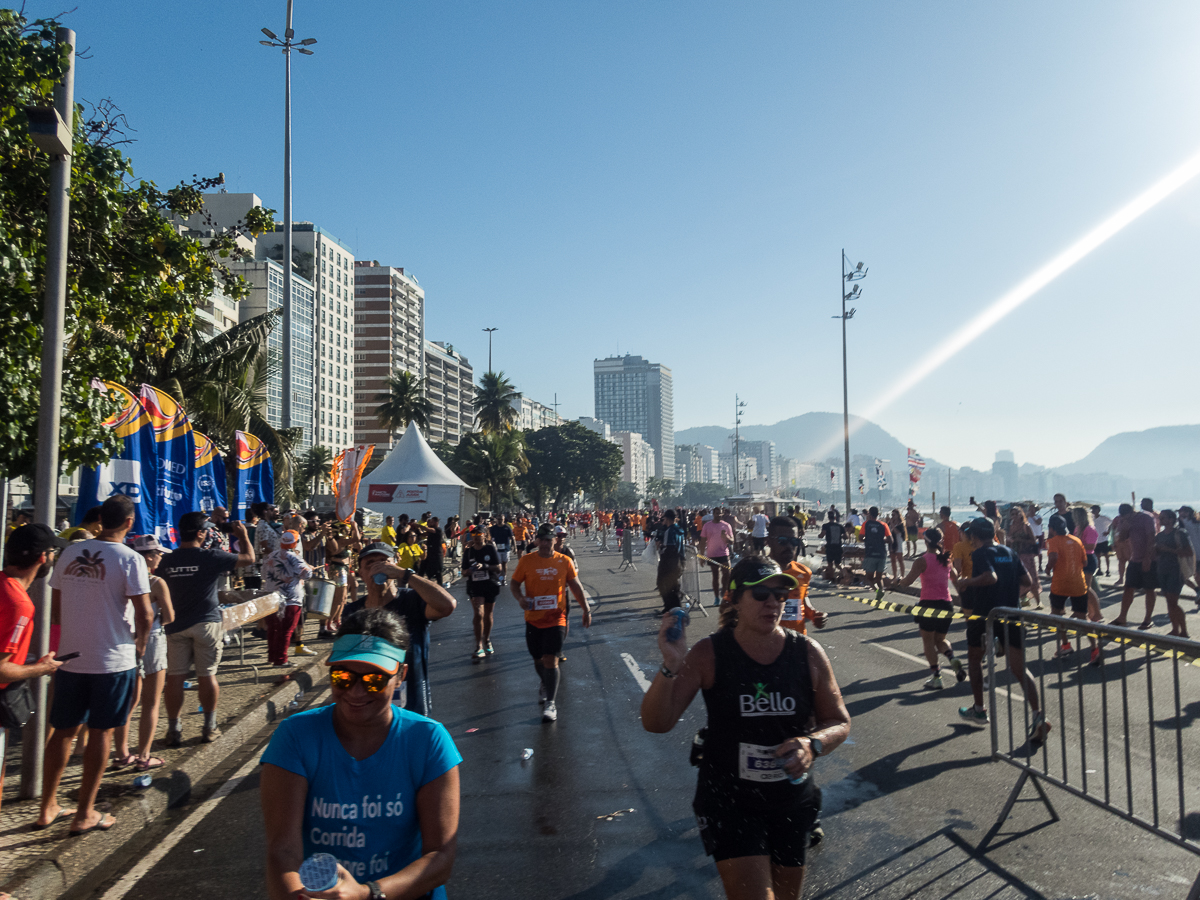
(287, 45)
(738, 405)
(848, 276)
(489, 334)
(52, 130)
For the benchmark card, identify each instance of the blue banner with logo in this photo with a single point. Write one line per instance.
(210, 474)
(177, 461)
(255, 474)
(132, 472)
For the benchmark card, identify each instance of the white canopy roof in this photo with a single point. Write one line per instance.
(411, 461)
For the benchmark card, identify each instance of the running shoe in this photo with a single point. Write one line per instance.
(549, 712)
(541, 694)
(208, 735)
(960, 671)
(1064, 651)
(973, 715)
(478, 654)
(879, 594)
(488, 648)
(1038, 730)
(1095, 660)
(816, 835)
(174, 737)
(934, 682)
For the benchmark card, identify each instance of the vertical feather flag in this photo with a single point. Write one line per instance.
(210, 474)
(255, 475)
(132, 472)
(177, 460)
(916, 466)
(347, 472)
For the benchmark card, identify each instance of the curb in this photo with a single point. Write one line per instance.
(78, 866)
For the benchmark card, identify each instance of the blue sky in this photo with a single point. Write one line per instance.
(676, 180)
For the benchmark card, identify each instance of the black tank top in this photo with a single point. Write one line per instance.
(752, 708)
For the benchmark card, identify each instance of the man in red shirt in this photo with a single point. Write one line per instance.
(29, 554)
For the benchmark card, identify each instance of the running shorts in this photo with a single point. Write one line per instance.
(1058, 604)
(1103, 548)
(833, 553)
(503, 554)
(729, 830)
(914, 532)
(874, 565)
(544, 641)
(100, 701)
(939, 625)
(1009, 633)
(1139, 580)
(760, 544)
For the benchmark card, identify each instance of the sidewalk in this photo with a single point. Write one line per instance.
(40, 865)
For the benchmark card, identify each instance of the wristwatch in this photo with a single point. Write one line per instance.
(373, 886)
(408, 574)
(815, 745)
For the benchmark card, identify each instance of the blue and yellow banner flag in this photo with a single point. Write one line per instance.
(177, 460)
(210, 474)
(255, 474)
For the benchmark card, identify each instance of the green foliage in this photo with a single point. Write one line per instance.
(491, 463)
(625, 496)
(565, 459)
(132, 278)
(404, 403)
(659, 488)
(698, 493)
(314, 466)
(493, 403)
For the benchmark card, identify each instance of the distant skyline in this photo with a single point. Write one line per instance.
(677, 181)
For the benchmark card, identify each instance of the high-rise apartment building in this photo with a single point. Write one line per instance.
(633, 394)
(532, 415)
(328, 265)
(637, 458)
(450, 387)
(763, 453)
(389, 336)
(266, 293)
(698, 463)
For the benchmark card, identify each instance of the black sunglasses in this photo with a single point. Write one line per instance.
(344, 679)
(763, 594)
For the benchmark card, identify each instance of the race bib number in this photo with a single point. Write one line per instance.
(757, 762)
(479, 575)
(791, 609)
(503, 548)
(547, 602)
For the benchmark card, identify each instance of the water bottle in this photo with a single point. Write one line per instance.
(189, 685)
(526, 754)
(319, 872)
(142, 782)
(379, 578)
(675, 631)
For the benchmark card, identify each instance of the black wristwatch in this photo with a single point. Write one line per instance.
(373, 886)
(408, 574)
(815, 745)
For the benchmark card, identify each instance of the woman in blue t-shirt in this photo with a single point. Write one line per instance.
(368, 782)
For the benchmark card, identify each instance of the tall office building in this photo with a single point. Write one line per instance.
(450, 387)
(289, 405)
(389, 336)
(633, 394)
(328, 265)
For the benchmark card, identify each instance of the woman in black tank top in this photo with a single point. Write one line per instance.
(773, 707)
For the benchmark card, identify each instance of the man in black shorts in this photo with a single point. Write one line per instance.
(502, 537)
(996, 581)
(832, 531)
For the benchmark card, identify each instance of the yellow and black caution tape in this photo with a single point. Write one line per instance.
(926, 612)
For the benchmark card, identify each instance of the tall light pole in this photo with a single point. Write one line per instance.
(287, 45)
(52, 129)
(489, 334)
(848, 275)
(738, 405)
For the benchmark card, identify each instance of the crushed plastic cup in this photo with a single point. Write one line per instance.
(142, 782)
(675, 631)
(319, 872)
(527, 753)
(189, 685)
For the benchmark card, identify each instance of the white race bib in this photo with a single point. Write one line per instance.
(757, 762)
(479, 574)
(791, 610)
(503, 548)
(548, 602)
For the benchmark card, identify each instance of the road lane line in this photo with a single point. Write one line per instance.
(923, 663)
(634, 669)
(155, 855)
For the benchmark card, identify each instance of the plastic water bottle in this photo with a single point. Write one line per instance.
(675, 631)
(189, 685)
(142, 782)
(379, 578)
(319, 872)
(526, 754)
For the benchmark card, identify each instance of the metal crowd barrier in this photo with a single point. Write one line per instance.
(692, 583)
(1110, 743)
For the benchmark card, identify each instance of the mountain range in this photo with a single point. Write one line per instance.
(1162, 451)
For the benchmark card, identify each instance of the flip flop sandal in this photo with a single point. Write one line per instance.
(124, 762)
(106, 822)
(62, 814)
(152, 762)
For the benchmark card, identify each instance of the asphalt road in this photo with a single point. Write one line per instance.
(603, 809)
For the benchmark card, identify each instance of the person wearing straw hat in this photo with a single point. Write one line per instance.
(374, 785)
(282, 572)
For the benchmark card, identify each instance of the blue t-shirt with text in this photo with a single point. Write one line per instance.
(364, 812)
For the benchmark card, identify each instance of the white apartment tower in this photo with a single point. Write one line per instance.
(633, 394)
(450, 387)
(389, 336)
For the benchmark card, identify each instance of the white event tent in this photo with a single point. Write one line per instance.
(412, 480)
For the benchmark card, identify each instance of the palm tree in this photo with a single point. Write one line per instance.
(492, 462)
(404, 403)
(494, 397)
(315, 466)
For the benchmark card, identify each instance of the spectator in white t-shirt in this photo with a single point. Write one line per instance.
(759, 523)
(101, 599)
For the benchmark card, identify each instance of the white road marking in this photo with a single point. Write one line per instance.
(638, 675)
(923, 663)
(154, 857)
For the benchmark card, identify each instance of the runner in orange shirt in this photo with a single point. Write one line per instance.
(783, 541)
(539, 584)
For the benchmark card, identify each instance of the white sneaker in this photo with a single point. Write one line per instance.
(934, 682)
(303, 651)
(541, 694)
(549, 712)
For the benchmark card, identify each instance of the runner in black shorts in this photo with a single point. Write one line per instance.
(767, 722)
(481, 571)
(996, 581)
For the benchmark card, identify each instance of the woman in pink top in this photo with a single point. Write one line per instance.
(933, 568)
(1086, 532)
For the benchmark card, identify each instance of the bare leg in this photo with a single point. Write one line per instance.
(746, 877)
(121, 733)
(57, 750)
(1178, 622)
(210, 692)
(975, 671)
(929, 645)
(1151, 596)
(94, 760)
(148, 724)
